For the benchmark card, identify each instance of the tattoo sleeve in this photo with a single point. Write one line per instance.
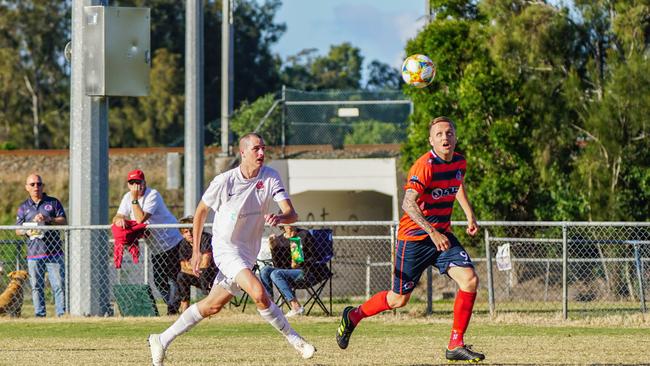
(412, 209)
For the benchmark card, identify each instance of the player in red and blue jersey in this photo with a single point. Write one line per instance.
(424, 238)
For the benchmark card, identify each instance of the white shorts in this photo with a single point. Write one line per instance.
(229, 266)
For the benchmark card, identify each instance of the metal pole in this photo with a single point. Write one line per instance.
(565, 275)
(194, 123)
(88, 181)
(284, 112)
(227, 73)
(490, 276)
(393, 232)
(429, 290)
(639, 276)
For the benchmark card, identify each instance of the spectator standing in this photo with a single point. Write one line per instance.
(44, 247)
(186, 277)
(145, 205)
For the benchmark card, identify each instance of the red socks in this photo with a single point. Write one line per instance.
(375, 305)
(462, 313)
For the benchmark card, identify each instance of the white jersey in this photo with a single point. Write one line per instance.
(153, 204)
(240, 205)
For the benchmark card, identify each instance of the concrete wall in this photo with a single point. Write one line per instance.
(342, 189)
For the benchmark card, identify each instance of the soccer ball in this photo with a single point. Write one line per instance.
(418, 70)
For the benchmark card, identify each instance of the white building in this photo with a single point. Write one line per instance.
(342, 189)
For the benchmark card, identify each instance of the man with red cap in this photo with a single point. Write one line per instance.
(145, 205)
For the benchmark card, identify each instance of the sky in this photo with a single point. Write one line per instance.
(379, 28)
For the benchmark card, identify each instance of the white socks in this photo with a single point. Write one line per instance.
(274, 316)
(185, 322)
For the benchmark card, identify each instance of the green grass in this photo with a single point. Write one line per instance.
(233, 338)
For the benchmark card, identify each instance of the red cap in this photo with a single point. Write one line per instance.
(135, 174)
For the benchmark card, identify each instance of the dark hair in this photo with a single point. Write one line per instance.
(442, 119)
(186, 220)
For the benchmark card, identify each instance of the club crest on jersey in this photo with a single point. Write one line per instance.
(408, 286)
(259, 185)
(459, 175)
(48, 207)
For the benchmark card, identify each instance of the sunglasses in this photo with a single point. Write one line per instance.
(135, 182)
(35, 184)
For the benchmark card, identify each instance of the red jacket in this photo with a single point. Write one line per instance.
(128, 236)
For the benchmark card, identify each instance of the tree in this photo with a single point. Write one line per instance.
(249, 116)
(33, 34)
(256, 68)
(340, 69)
(296, 72)
(383, 76)
(612, 104)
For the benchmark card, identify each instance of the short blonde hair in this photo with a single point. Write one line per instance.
(440, 119)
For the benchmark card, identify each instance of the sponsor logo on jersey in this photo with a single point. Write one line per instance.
(408, 286)
(438, 193)
(260, 184)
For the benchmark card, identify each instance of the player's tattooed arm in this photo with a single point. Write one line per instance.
(410, 206)
(412, 209)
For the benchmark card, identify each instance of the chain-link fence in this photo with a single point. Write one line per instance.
(340, 117)
(567, 268)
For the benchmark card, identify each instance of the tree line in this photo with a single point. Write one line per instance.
(551, 101)
(552, 105)
(35, 77)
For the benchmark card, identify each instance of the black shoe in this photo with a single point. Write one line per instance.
(345, 329)
(464, 353)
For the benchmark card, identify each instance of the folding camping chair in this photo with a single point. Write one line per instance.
(318, 253)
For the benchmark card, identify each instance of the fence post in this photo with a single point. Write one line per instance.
(284, 113)
(367, 277)
(392, 257)
(66, 264)
(639, 275)
(429, 290)
(490, 278)
(146, 264)
(565, 272)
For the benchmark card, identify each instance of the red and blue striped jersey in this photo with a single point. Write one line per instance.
(437, 181)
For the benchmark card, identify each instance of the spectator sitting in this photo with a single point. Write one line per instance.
(186, 277)
(285, 270)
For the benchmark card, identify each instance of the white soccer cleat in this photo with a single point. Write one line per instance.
(157, 350)
(292, 313)
(305, 349)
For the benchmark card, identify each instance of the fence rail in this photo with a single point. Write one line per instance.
(555, 267)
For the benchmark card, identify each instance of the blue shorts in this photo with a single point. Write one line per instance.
(413, 257)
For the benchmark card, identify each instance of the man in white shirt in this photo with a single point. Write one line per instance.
(241, 199)
(146, 205)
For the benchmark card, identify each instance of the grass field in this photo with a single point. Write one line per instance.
(233, 338)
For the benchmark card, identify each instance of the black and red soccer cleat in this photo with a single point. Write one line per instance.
(464, 354)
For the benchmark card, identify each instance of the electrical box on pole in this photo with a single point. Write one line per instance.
(117, 51)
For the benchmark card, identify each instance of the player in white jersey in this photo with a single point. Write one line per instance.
(241, 200)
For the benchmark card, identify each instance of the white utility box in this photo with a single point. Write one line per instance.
(117, 51)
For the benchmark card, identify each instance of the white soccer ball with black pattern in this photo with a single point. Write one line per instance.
(418, 70)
